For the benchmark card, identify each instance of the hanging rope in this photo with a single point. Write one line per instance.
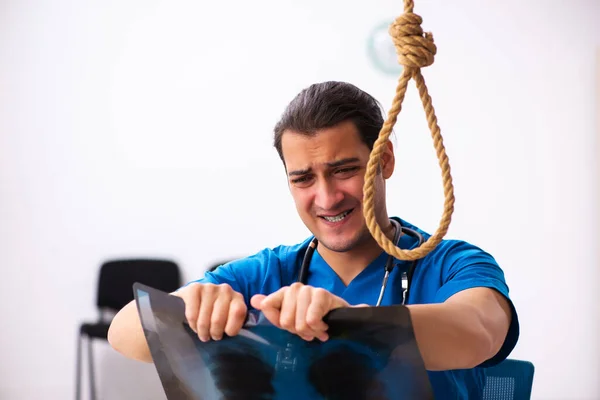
(415, 50)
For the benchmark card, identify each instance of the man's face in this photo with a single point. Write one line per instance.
(326, 177)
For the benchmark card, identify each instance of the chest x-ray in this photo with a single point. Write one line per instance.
(371, 354)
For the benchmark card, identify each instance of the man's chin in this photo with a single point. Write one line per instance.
(339, 246)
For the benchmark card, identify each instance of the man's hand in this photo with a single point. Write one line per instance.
(212, 310)
(299, 309)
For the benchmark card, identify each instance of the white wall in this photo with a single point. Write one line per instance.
(144, 128)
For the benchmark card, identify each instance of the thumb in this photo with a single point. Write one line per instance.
(256, 300)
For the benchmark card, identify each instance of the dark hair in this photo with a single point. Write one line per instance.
(326, 104)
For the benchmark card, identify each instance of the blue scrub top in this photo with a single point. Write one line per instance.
(451, 267)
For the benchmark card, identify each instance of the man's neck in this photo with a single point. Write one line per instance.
(347, 265)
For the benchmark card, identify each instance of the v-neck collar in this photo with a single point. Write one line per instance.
(319, 264)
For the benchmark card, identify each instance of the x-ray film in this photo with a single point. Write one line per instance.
(371, 354)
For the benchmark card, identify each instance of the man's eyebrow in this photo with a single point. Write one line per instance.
(343, 161)
(332, 164)
(299, 172)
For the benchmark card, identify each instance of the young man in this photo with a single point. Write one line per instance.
(462, 315)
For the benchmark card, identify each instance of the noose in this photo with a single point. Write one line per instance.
(415, 50)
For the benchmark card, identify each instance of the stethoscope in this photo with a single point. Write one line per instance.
(389, 265)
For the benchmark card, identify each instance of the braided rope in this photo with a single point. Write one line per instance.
(415, 50)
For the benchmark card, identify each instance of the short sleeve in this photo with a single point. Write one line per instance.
(247, 275)
(222, 274)
(466, 267)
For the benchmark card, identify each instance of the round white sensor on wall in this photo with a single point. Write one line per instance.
(382, 52)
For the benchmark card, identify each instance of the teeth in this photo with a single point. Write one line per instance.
(338, 217)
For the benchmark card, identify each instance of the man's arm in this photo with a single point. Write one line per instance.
(462, 332)
(467, 329)
(127, 336)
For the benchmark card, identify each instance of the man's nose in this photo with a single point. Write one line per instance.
(328, 196)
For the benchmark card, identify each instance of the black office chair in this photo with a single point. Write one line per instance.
(114, 292)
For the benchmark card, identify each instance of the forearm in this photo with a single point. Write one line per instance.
(451, 335)
(127, 336)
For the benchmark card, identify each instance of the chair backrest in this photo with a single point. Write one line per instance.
(509, 380)
(115, 286)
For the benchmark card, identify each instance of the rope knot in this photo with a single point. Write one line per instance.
(415, 49)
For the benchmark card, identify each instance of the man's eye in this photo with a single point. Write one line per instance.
(346, 170)
(302, 179)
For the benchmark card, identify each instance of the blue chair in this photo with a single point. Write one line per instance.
(509, 380)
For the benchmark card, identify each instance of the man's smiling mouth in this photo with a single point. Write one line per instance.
(337, 218)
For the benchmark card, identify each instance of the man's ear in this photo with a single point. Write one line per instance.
(388, 160)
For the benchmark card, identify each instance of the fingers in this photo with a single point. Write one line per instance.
(256, 300)
(287, 317)
(191, 298)
(213, 310)
(237, 315)
(308, 330)
(271, 306)
(303, 301)
(207, 302)
(319, 306)
(299, 309)
(220, 314)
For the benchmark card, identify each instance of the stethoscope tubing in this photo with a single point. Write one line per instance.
(389, 265)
